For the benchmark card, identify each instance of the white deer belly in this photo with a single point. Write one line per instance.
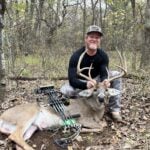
(46, 119)
(6, 127)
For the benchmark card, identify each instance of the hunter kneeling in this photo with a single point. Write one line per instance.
(88, 72)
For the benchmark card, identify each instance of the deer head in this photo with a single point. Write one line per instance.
(99, 92)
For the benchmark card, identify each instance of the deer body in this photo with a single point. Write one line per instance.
(21, 121)
(89, 117)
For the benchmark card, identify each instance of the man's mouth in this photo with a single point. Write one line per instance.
(93, 46)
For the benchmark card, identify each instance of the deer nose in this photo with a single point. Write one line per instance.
(101, 96)
(101, 100)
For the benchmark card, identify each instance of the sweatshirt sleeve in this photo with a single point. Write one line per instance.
(72, 73)
(103, 66)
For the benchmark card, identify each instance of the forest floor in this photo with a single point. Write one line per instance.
(133, 135)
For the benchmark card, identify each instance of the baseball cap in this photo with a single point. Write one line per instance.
(94, 28)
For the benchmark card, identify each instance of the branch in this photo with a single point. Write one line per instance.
(25, 78)
(96, 130)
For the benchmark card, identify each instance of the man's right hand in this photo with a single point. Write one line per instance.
(91, 84)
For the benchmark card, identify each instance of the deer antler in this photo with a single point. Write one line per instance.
(123, 67)
(87, 92)
(79, 70)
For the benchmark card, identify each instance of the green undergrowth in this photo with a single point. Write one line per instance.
(38, 66)
(56, 65)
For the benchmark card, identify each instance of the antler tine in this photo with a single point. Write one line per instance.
(89, 72)
(107, 73)
(123, 67)
(120, 57)
(79, 70)
(120, 75)
(125, 64)
(123, 61)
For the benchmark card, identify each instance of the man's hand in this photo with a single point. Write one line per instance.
(91, 84)
(106, 83)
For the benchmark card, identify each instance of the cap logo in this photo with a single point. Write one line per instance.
(95, 28)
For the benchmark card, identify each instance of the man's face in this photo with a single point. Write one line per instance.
(92, 41)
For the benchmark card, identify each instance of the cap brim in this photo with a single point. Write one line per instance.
(101, 34)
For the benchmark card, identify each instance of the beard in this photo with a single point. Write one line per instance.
(92, 46)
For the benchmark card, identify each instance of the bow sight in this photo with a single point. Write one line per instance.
(58, 102)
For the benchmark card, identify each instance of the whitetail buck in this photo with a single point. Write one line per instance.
(90, 97)
(21, 121)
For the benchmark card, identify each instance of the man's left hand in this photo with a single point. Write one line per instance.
(106, 83)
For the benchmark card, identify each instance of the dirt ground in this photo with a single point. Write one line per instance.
(135, 134)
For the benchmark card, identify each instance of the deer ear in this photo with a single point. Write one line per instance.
(113, 92)
(86, 93)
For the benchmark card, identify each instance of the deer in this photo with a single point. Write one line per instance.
(90, 97)
(21, 121)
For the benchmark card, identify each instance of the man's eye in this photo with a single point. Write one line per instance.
(93, 37)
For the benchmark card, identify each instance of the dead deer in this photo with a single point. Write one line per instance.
(99, 91)
(21, 121)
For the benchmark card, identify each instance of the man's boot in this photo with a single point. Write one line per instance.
(116, 116)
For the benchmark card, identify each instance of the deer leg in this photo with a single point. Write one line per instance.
(101, 113)
(20, 141)
(29, 132)
(17, 137)
(96, 118)
(98, 115)
(18, 147)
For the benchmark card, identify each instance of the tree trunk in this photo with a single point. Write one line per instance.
(2, 65)
(100, 14)
(93, 11)
(134, 52)
(145, 59)
(84, 19)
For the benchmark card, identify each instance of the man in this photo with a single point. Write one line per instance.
(100, 61)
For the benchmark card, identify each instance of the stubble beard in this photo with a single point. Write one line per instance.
(92, 47)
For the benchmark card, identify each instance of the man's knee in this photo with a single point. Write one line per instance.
(67, 90)
(114, 73)
(116, 83)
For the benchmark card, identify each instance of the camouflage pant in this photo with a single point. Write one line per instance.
(114, 101)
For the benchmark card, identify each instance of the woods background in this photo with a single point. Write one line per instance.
(37, 38)
(40, 35)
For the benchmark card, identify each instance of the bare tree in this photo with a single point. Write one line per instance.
(2, 68)
(84, 17)
(134, 36)
(93, 11)
(145, 63)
